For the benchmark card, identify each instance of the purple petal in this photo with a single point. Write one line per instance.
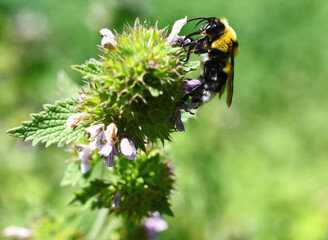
(115, 151)
(109, 161)
(178, 122)
(191, 84)
(179, 125)
(106, 150)
(155, 223)
(128, 148)
(115, 204)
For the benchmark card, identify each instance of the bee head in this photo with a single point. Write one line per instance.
(213, 26)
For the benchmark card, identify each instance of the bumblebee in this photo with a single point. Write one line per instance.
(218, 46)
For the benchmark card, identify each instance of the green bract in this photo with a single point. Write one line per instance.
(137, 86)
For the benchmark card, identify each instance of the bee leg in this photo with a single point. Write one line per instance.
(197, 43)
(192, 34)
(188, 53)
(192, 44)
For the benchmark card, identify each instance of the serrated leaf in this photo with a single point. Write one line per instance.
(48, 126)
(89, 70)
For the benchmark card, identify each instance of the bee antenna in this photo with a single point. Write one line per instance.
(202, 20)
(193, 19)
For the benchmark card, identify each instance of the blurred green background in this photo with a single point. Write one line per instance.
(256, 171)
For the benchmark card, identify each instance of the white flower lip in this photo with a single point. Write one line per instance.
(173, 37)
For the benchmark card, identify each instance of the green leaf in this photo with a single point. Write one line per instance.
(192, 65)
(66, 87)
(48, 126)
(73, 176)
(97, 191)
(89, 70)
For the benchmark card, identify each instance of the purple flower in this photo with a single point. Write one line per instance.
(97, 135)
(191, 84)
(105, 140)
(178, 122)
(115, 204)
(108, 150)
(85, 154)
(109, 161)
(153, 225)
(128, 148)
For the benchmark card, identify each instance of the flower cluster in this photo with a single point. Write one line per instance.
(137, 84)
(105, 141)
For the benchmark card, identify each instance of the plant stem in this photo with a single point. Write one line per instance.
(98, 224)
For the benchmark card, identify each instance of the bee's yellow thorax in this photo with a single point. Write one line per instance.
(227, 39)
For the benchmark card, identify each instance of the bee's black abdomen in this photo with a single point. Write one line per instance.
(214, 79)
(214, 75)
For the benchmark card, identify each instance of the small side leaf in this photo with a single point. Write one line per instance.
(98, 192)
(73, 176)
(48, 126)
(192, 65)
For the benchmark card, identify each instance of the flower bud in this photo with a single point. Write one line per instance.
(111, 133)
(108, 39)
(74, 120)
(85, 154)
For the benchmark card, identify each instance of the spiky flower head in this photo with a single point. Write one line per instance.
(137, 85)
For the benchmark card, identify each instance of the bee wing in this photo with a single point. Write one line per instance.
(222, 90)
(230, 79)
